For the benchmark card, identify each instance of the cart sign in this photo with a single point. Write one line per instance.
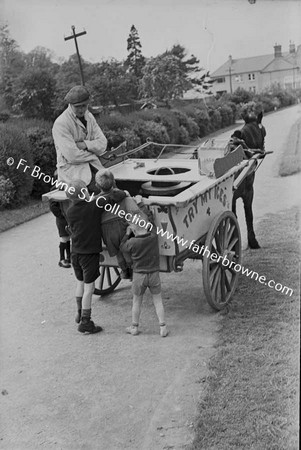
(180, 225)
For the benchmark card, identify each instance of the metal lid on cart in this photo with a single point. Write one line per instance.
(164, 186)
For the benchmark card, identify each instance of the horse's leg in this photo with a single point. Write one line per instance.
(234, 198)
(247, 201)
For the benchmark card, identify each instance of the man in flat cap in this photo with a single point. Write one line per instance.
(78, 140)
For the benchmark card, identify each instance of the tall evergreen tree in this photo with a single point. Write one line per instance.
(135, 60)
(189, 65)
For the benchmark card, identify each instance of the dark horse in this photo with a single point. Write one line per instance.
(251, 136)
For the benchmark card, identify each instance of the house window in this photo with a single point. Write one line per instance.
(252, 89)
(238, 78)
(251, 76)
(221, 80)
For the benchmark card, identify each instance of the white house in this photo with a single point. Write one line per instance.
(259, 72)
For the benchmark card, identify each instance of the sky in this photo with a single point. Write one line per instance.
(210, 29)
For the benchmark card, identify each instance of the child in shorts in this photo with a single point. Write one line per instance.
(113, 227)
(143, 249)
(84, 217)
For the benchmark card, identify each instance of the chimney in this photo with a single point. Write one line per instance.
(277, 51)
(292, 48)
(230, 60)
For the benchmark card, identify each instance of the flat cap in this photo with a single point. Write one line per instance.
(78, 94)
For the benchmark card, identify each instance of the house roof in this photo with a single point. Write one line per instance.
(266, 63)
(278, 64)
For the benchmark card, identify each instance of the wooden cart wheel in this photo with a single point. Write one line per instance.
(220, 280)
(108, 280)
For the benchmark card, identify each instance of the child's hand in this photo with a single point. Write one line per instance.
(128, 230)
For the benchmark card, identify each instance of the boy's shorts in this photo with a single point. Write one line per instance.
(141, 281)
(86, 267)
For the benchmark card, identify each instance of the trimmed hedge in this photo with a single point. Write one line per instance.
(43, 155)
(31, 139)
(14, 144)
(7, 192)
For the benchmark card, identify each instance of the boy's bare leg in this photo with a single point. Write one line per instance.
(136, 308)
(157, 300)
(136, 311)
(87, 295)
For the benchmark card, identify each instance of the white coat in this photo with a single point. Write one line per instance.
(73, 163)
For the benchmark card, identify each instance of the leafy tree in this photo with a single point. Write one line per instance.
(163, 79)
(41, 57)
(34, 93)
(112, 84)
(135, 60)
(11, 65)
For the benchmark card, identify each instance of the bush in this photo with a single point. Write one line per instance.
(170, 122)
(182, 118)
(284, 96)
(43, 155)
(184, 136)
(7, 192)
(226, 115)
(203, 121)
(116, 138)
(215, 119)
(154, 132)
(114, 122)
(14, 144)
(241, 96)
(151, 130)
(193, 128)
(268, 103)
(131, 138)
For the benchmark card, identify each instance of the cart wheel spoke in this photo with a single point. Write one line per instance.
(109, 276)
(213, 273)
(233, 243)
(230, 234)
(227, 283)
(102, 277)
(222, 238)
(216, 280)
(222, 285)
(218, 243)
(108, 280)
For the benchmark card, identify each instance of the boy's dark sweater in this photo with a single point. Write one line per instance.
(84, 219)
(144, 252)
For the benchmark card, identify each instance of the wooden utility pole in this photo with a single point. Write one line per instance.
(230, 73)
(74, 36)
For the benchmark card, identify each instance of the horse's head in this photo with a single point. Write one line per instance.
(252, 112)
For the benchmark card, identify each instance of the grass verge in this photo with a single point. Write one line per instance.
(12, 217)
(291, 156)
(252, 394)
